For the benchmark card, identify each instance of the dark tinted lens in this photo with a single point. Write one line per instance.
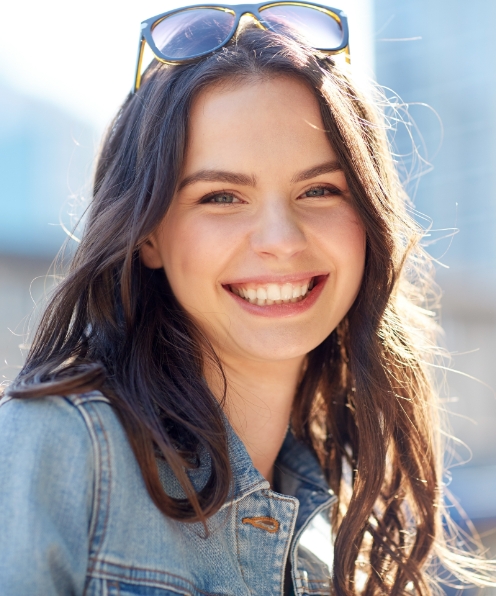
(189, 33)
(318, 29)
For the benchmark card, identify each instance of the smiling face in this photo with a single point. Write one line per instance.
(261, 245)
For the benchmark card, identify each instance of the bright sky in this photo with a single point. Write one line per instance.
(82, 56)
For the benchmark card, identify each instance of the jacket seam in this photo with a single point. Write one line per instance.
(236, 515)
(238, 497)
(88, 414)
(109, 483)
(97, 468)
(278, 497)
(287, 550)
(104, 574)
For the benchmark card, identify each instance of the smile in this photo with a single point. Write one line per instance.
(272, 293)
(288, 296)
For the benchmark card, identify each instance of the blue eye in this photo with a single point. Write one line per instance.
(321, 191)
(222, 198)
(316, 192)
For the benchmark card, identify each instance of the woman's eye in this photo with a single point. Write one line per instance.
(222, 198)
(320, 191)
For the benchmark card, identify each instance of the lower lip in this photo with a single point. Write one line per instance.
(283, 310)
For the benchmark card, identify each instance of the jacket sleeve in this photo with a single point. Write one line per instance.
(46, 496)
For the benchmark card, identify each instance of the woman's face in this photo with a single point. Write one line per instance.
(261, 245)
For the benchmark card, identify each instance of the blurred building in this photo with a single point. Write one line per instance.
(45, 165)
(443, 54)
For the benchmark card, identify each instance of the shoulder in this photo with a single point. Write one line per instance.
(63, 448)
(62, 438)
(50, 470)
(50, 436)
(51, 422)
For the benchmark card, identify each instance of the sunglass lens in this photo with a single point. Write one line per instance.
(189, 33)
(318, 28)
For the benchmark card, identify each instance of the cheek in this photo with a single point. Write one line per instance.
(342, 236)
(194, 254)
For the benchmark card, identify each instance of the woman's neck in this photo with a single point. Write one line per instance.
(258, 405)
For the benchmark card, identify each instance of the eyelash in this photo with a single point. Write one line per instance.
(332, 189)
(207, 199)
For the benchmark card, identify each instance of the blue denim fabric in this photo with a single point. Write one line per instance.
(76, 518)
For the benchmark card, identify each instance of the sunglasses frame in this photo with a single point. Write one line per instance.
(253, 10)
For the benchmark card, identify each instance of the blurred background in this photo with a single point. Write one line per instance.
(65, 68)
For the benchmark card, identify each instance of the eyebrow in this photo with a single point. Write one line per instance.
(218, 176)
(245, 180)
(324, 168)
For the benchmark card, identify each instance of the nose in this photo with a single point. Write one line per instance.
(278, 233)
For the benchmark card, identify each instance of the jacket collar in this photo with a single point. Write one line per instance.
(296, 460)
(297, 472)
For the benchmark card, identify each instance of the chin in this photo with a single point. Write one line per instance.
(278, 348)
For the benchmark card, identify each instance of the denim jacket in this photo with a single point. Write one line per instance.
(76, 518)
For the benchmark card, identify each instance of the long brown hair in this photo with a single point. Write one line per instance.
(366, 400)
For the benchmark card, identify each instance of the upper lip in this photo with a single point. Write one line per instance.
(275, 279)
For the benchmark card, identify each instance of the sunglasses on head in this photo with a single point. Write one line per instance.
(186, 34)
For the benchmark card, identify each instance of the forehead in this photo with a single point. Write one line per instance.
(255, 120)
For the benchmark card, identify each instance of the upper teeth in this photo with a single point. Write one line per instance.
(273, 293)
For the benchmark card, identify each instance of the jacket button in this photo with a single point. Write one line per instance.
(269, 524)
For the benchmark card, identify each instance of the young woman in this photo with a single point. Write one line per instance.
(229, 393)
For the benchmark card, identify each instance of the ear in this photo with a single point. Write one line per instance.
(150, 254)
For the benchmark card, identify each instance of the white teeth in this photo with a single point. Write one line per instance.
(273, 293)
(251, 294)
(261, 294)
(286, 292)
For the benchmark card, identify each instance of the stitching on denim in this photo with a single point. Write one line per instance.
(80, 399)
(268, 524)
(236, 515)
(255, 487)
(90, 426)
(157, 582)
(109, 468)
(288, 551)
(280, 498)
